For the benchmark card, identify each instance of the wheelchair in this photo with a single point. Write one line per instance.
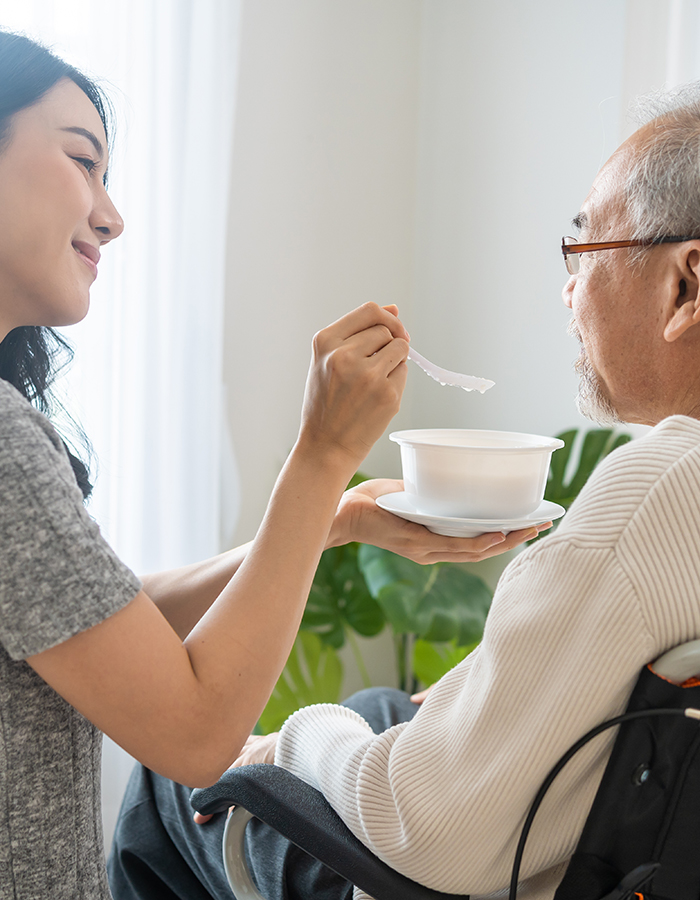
(641, 837)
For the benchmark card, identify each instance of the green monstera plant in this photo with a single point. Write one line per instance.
(572, 465)
(360, 590)
(436, 613)
(313, 674)
(432, 604)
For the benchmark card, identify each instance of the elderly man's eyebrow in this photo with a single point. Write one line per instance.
(579, 221)
(96, 143)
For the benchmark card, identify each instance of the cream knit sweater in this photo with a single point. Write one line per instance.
(574, 619)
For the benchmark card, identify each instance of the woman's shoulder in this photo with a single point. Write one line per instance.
(29, 445)
(22, 424)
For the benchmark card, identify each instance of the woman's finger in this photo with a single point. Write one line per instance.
(365, 316)
(392, 361)
(360, 519)
(479, 548)
(370, 341)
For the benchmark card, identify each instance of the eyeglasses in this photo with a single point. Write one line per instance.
(570, 248)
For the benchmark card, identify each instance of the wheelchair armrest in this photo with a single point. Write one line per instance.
(303, 815)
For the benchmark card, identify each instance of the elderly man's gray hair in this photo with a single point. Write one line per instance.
(662, 191)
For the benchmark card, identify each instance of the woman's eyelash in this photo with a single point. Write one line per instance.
(85, 161)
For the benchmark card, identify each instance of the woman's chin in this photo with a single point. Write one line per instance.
(69, 314)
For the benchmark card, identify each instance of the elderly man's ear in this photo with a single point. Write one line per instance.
(684, 301)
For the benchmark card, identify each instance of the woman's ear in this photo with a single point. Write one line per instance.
(685, 311)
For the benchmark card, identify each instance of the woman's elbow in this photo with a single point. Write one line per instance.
(195, 773)
(194, 759)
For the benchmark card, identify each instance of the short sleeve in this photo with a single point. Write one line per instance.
(58, 576)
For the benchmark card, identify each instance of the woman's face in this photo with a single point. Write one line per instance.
(54, 210)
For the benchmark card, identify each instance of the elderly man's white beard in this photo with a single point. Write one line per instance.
(591, 401)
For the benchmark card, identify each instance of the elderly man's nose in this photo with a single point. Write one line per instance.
(568, 291)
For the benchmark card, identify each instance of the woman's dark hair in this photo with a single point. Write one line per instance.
(32, 355)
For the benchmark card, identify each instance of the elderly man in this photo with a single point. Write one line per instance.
(574, 618)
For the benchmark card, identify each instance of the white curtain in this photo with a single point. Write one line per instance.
(147, 382)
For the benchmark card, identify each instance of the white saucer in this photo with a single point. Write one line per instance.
(399, 504)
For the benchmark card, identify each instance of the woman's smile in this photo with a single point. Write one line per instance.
(88, 254)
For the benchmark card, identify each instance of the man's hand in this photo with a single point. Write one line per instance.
(421, 695)
(360, 519)
(259, 748)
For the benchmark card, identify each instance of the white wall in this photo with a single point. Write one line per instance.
(425, 152)
(519, 107)
(322, 207)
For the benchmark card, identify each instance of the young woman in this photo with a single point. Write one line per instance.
(178, 668)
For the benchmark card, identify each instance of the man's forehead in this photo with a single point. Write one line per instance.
(596, 219)
(604, 208)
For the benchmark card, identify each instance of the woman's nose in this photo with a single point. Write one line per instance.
(105, 219)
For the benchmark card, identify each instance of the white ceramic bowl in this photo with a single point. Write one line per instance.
(470, 474)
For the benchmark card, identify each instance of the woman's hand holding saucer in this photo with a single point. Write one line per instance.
(360, 519)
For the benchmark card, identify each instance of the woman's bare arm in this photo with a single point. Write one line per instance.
(185, 708)
(183, 595)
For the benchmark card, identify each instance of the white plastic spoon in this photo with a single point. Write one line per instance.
(444, 376)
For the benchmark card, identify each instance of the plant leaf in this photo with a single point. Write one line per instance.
(595, 446)
(313, 674)
(560, 460)
(432, 660)
(619, 440)
(438, 603)
(592, 451)
(339, 598)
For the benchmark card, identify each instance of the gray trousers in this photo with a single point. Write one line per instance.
(160, 854)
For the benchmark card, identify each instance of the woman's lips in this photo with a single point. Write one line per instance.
(90, 255)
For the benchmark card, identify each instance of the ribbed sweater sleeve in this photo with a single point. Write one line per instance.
(443, 797)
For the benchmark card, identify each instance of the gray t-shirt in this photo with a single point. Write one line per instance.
(58, 577)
